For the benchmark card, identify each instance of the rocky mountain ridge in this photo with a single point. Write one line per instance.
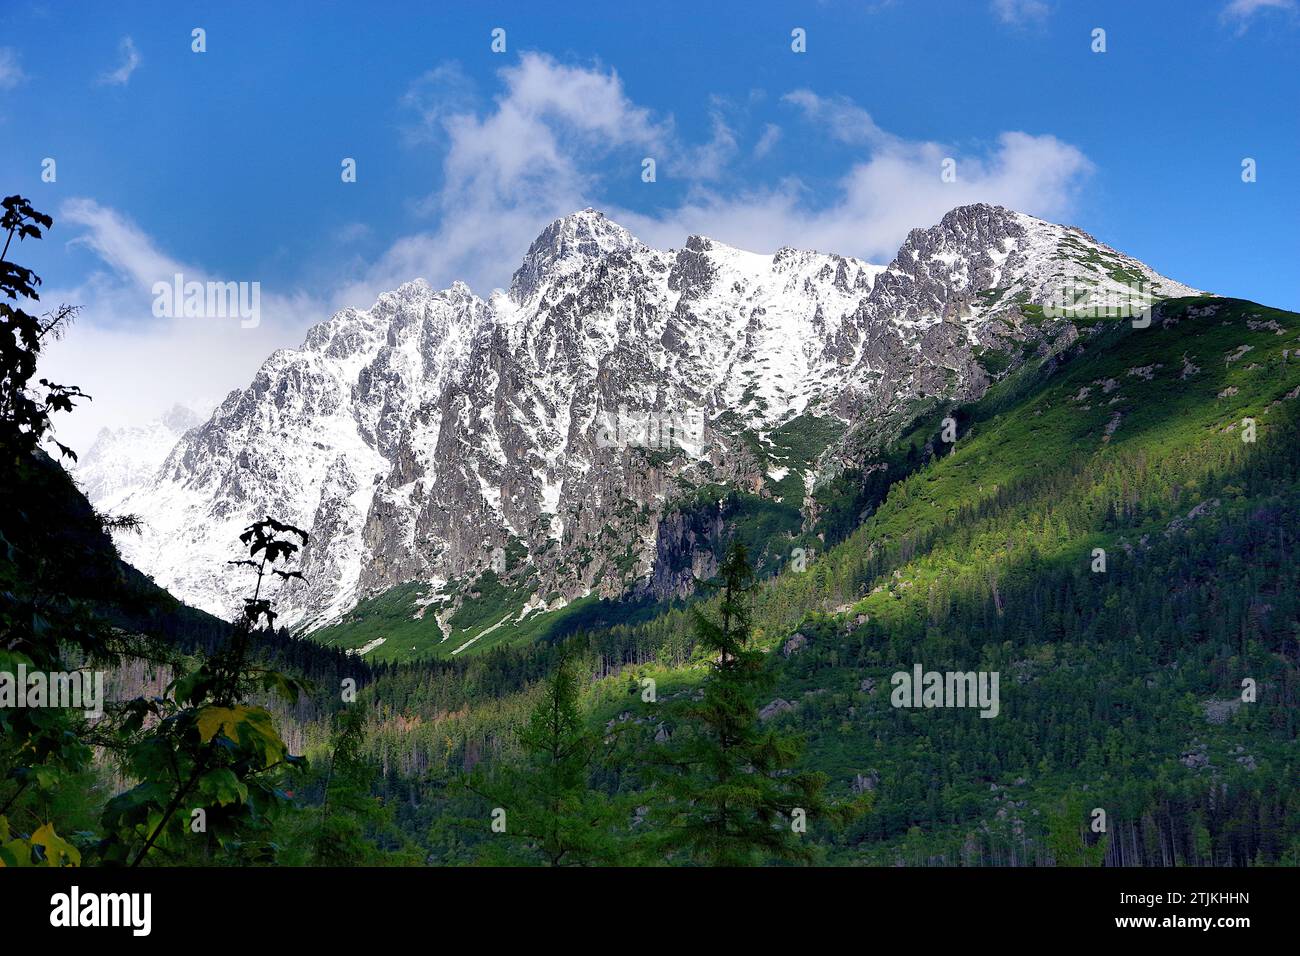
(544, 434)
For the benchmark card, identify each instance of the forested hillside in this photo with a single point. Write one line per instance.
(1122, 689)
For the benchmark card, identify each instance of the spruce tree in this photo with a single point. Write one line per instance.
(351, 818)
(551, 814)
(727, 794)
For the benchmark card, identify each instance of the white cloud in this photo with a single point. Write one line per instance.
(130, 60)
(1246, 8)
(709, 160)
(121, 244)
(137, 365)
(897, 186)
(509, 170)
(1021, 12)
(842, 118)
(767, 140)
(351, 232)
(537, 152)
(879, 200)
(434, 97)
(1243, 12)
(11, 73)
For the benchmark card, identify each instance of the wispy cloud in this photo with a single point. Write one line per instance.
(768, 139)
(843, 119)
(118, 242)
(11, 73)
(880, 198)
(130, 61)
(1241, 13)
(531, 154)
(708, 160)
(1021, 12)
(433, 98)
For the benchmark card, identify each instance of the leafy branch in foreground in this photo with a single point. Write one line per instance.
(206, 751)
(51, 581)
(25, 416)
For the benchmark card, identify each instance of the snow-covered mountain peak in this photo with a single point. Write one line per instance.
(982, 259)
(352, 337)
(567, 246)
(122, 459)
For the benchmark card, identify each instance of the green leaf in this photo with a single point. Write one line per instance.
(223, 787)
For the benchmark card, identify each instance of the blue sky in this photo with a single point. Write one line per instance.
(226, 164)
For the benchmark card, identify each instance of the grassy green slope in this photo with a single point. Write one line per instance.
(490, 618)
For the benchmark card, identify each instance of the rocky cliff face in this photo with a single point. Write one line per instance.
(434, 434)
